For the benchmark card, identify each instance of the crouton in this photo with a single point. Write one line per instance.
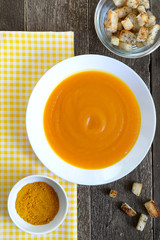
(127, 24)
(139, 44)
(119, 3)
(112, 21)
(113, 193)
(152, 19)
(119, 27)
(145, 3)
(127, 36)
(127, 209)
(125, 46)
(117, 34)
(152, 209)
(142, 19)
(134, 21)
(132, 3)
(141, 8)
(135, 11)
(142, 34)
(136, 188)
(142, 222)
(109, 34)
(123, 12)
(152, 34)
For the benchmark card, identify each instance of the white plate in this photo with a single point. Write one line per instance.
(39, 97)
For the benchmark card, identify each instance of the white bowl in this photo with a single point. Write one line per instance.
(39, 97)
(38, 229)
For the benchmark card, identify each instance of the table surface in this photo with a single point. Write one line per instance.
(99, 217)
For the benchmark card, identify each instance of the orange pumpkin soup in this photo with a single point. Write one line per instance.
(92, 119)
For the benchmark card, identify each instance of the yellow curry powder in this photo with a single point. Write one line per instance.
(37, 203)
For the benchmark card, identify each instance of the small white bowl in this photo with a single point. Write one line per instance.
(38, 229)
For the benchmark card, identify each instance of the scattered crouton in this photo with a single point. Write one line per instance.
(112, 21)
(145, 3)
(127, 209)
(142, 222)
(152, 19)
(132, 3)
(136, 188)
(134, 21)
(119, 3)
(125, 46)
(127, 24)
(152, 34)
(142, 19)
(127, 36)
(141, 8)
(113, 193)
(152, 209)
(123, 12)
(142, 34)
(139, 44)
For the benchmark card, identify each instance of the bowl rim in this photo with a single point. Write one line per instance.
(21, 181)
(75, 172)
(127, 54)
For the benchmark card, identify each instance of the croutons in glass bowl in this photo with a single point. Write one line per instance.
(128, 28)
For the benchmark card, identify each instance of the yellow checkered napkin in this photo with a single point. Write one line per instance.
(24, 58)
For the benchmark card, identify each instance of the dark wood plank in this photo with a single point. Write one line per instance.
(155, 63)
(63, 15)
(108, 221)
(155, 77)
(12, 15)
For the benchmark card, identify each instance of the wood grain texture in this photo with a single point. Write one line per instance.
(155, 89)
(108, 221)
(65, 15)
(12, 15)
(155, 65)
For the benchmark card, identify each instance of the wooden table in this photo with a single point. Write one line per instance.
(99, 217)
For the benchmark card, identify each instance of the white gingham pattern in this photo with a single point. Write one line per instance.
(24, 58)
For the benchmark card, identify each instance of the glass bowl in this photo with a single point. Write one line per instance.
(101, 14)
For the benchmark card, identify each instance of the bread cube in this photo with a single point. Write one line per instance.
(141, 8)
(127, 209)
(132, 3)
(123, 12)
(152, 19)
(127, 37)
(119, 27)
(142, 19)
(142, 222)
(127, 24)
(119, 3)
(139, 44)
(125, 46)
(113, 193)
(152, 209)
(145, 3)
(142, 34)
(134, 21)
(117, 34)
(135, 11)
(112, 21)
(136, 188)
(152, 32)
